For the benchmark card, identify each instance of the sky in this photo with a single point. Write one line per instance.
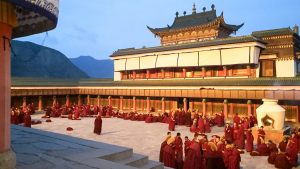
(97, 28)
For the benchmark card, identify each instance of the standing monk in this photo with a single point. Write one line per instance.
(193, 156)
(201, 127)
(234, 159)
(98, 125)
(236, 119)
(292, 150)
(172, 124)
(169, 153)
(228, 133)
(240, 141)
(162, 146)
(250, 138)
(27, 120)
(187, 144)
(207, 126)
(178, 151)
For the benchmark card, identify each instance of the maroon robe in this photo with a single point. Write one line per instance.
(272, 158)
(252, 121)
(201, 126)
(240, 140)
(188, 119)
(178, 152)
(27, 120)
(261, 134)
(187, 145)
(169, 156)
(161, 152)
(193, 157)
(250, 139)
(262, 150)
(172, 125)
(227, 153)
(234, 159)
(282, 146)
(207, 127)
(236, 119)
(292, 151)
(272, 148)
(281, 161)
(98, 125)
(229, 134)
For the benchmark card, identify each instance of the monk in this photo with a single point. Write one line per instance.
(201, 127)
(163, 144)
(292, 150)
(252, 120)
(187, 144)
(282, 145)
(261, 150)
(234, 159)
(169, 153)
(193, 128)
(235, 131)
(98, 125)
(282, 161)
(213, 157)
(236, 119)
(188, 119)
(228, 133)
(250, 139)
(240, 140)
(207, 126)
(172, 124)
(261, 135)
(272, 147)
(178, 151)
(193, 156)
(27, 120)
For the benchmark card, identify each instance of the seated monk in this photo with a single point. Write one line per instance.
(262, 149)
(98, 125)
(193, 128)
(282, 161)
(272, 147)
(272, 158)
(282, 145)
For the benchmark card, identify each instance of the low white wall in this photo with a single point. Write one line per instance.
(117, 76)
(285, 68)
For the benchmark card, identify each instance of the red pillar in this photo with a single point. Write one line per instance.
(204, 107)
(249, 104)
(148, 104)
(224, 71)
(254, 109)
(183, 73)
(88, 100)
(163, 109)
(191, 105)
(162, 73)
(109, 100)
(79, 102)
(231, 109)
(7, 21)
(203, 71)
(98, 101)
(134, 74)
(230, 72)
(134, 104)
(225, 109)
(185, 104)
(40, 104)
(54, 101)
(121, 103)
(248, 70)
(24, 102)
(67, 101)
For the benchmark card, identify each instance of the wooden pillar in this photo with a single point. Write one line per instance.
(148, 74)
(204, 107)
(183, 73)
(185, 104)
(163, 109)
(88, 99)
(248, 70)
(148, 104)
(40, 104)
(98, 101)
(7, 22)
(24, 102)
(79, 102)
(249, 104)
(230, 72)
(121, 103)
(191, 105)
(162, 73)
(134, 74)
(203, 72)
(109, 100)
(225, 109)
(254, 109)
(67, 101)
(134, 104)
(224, 71)
(54, 101)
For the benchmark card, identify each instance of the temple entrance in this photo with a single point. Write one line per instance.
(267, 68)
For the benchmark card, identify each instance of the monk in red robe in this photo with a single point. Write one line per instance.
(246, 123)
(178, 151)
(193, 128)
(261, 135)
(169, 153)
(235, 131)
(27, 120)
(282, 161)
(162, 146)
(207, 126)
(252, 120)
(282, 145)
(240, 140)
(250, 139)
(172, 124)
(272, 147)
(236, 119)
(228, 133)
(98, 125)
(292, 150)
(261, 150)
(187, 144)
(193, 156)
(201, 127)
(234, 159)
(227, 153)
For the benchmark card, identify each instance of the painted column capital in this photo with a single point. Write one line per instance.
(204, 100)
(225, 101)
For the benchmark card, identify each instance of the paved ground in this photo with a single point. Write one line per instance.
(144, 138)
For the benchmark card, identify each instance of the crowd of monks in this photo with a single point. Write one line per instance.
(224, 152)
(218, 152)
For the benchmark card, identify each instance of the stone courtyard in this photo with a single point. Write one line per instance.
(143, 138)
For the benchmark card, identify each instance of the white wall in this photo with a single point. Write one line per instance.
(285, 68)
(117, 76)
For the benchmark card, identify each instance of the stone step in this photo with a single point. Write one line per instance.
(153, 165)
(136, 160)
(121, 155)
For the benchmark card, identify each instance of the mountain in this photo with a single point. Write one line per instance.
(32, 60)
(93, 67)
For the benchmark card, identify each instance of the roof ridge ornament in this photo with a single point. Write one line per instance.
(213, 7)
(177, 14)
(194, 9)
(204, 9)
(184, 13)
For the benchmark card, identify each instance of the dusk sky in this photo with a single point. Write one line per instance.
(99, 27)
